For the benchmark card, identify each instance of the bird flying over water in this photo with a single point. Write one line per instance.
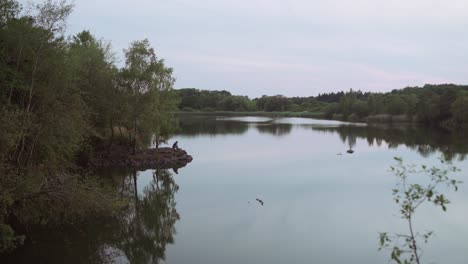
(260, 201)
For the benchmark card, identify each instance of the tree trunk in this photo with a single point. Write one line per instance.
(129, 141)
(135, 187)
(157, 179)
(414, 247)
(123, 186)
(112, 136)
(25, 120)
(15, 75)
(121, 135)
(33, 74)
(134, 136)
(20, 153)
(31, 150)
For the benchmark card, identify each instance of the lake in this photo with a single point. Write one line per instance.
(320, 204)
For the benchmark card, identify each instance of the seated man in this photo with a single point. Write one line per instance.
(174, 146)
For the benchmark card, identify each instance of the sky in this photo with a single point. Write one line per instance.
(291, 47)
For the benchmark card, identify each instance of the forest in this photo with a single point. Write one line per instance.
(444, 105)
(63, 99)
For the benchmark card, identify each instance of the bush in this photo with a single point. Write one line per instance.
(208, 109)
(337, 116)
(8, 239)
(353, 118)
(400, 119)
(382, 118)
(187, 109)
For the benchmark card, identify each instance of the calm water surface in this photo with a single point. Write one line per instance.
(319, 207)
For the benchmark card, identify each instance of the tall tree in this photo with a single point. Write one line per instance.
(149, 84)
(92, 64)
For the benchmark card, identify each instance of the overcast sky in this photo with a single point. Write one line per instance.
(291, 47)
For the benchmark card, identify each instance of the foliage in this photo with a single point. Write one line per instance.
(8, 239)
(191, 98)
(202, 100)
(60, 99)
(274, 103)
(431, 104)
(436, 105)
(410, 195)
(147, 86)
(459, 108)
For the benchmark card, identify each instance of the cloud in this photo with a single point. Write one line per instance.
(246, 64)
(256, 76)
(291, 47)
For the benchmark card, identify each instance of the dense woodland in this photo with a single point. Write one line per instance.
(443, 105)
(62, 100)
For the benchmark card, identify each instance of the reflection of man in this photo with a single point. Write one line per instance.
(174, 146)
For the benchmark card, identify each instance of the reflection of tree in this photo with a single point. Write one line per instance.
(139, 233)
(351, 141)
(151, 225)
(209, 125)
(193, 125)
(347, 136)
(275, 128)
(424, 141)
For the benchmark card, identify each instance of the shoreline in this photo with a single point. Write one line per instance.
(318, 115)
(152, 158)
(372, 119)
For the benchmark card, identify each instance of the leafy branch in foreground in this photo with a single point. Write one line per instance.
(410, 196)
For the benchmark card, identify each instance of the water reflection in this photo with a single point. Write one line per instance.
(347, 136)
(223, 187)
(274, 129)
(208, 125)
(150, 224)
(453, 145)
(195, 125)
(139, 235)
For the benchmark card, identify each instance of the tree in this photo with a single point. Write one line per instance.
(459, 109)
(410, 196)
(376, 104)
(9, 10)
(274, 103)
(148, 84)
(93, 73)
(360, 108)
(346, 102)
(426, 108)
(40, 106)
(395, 105)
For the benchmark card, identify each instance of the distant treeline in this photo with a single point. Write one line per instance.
(444, 105)
(61, 99)
(441, 105)
(192, 99)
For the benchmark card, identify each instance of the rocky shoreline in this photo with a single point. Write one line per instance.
(161, 158)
